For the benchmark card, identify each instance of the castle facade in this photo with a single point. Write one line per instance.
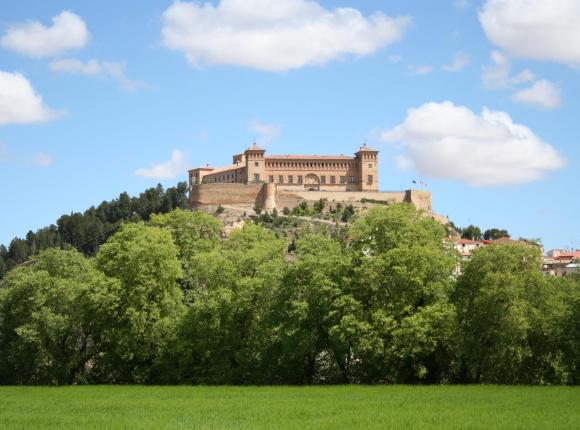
(296, 172)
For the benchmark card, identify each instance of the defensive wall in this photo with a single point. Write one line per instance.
(269, 196)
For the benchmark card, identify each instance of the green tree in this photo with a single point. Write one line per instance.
(193, 233)
(318, 323)
(320, 205)
(148, 301)
(403, 279)
(225, 335)
(568, 290)
(495, 233)
(49, 320)
(509, 318)
(471, 232)
(18, 250)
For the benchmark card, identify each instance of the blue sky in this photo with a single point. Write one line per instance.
(479, 99)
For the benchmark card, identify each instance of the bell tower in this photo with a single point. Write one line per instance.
(368, 168)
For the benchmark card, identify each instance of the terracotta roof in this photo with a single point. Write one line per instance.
(201, 168)
(255, 147)
(226, 168)
(466, 241)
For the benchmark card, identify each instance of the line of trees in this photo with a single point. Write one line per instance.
(473, 232)
(86, 231)
(169, 301)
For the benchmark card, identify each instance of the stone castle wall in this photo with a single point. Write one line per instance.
(268, 196)
(224, 194)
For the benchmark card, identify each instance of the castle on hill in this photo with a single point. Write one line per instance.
(297, 172)
(276, 181)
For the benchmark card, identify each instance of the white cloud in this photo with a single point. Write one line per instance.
(395, 58)
(461, 4)
(534, 29)
(460, 60)
(72, 65)
(96, 68)
(420, 70)
(274, 35)
(19, 103)
(68, 32)
(176, 166)
(497, 75)
(525, 75)
(265, 133)
(448, 141)
(542, 93)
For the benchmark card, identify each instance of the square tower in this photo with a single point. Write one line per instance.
(255, 164)
(368, 168)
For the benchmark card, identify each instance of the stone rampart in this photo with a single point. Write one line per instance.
(224, 194)
(268, 196)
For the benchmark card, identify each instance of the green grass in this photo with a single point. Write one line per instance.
(343, 407)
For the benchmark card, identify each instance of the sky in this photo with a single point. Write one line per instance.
(479, 100)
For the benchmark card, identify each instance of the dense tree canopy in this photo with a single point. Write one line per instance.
(383, 300)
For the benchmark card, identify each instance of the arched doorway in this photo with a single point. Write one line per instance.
(311, 182)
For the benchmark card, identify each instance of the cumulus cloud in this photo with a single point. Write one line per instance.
(19, 103)
(170, 169)
(265, 133)
(534, 29)
(498, 74)
(447, 141)
(274, 35)
(542, 93)
(67, 32)
(460, 60)
(96, 68)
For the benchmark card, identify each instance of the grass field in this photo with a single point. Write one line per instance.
(345, 407)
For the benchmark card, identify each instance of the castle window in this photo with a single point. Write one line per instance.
(299, 179)
(370, 165)
(351, 180)
(323, 179)
(256, 164)
(290, 180)
(281, 179)
(333, 179)
(271, 178)
(370, 179)
(343, 179)
(256, 177)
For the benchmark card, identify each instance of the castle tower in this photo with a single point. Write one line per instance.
(368, 168)
(255, 164)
